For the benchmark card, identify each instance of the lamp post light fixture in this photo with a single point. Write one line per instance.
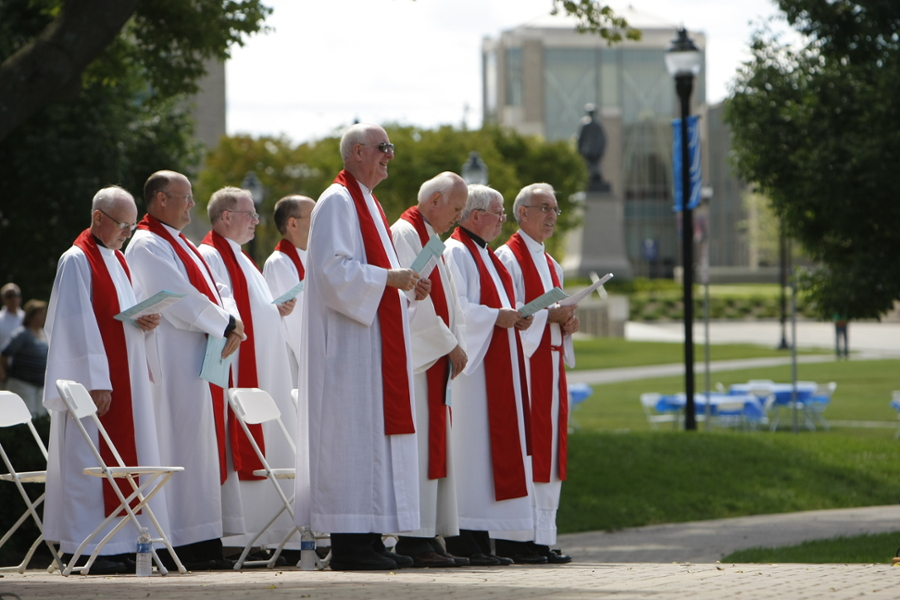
(683, 63)
(474, 170)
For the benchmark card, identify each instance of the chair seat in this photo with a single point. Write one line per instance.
(26, 477)
(123, 472)
(286, 473)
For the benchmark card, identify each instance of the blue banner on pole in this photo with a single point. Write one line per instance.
(694, 157)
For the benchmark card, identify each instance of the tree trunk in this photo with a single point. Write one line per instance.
(49, 67)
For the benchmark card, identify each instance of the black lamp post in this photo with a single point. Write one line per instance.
(474, 170)
(683, 63)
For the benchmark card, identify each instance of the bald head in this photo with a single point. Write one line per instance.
(366, 151)
(292, 218)
(442, 200)
(169, 198)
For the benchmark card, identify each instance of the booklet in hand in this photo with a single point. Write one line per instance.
(581, 295)
(543, 301)
(152, 305)
(427, 259)
(290, 294)
(215, 368)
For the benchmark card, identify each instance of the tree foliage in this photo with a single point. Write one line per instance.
(597, 18)
(513, 161)
(125, 120)
(817, 128)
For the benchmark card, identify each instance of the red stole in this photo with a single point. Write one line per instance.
(438, 373)
(119, 421)
(195, 276)
(542, 375)
(242, 454)
(395, 382)
(506, 457)
(288, 249)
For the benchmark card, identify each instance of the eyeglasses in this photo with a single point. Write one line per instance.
(122, 226)
(252, 215)
(384, 147)
(545, 208)
(499, 215)
(187, 197)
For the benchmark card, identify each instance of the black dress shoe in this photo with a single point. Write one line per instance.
(439, 549)
(526, 553)
(505, 561)
(402, 561)
(484, 560)
(368, 561)
(432, 559)
(213, 564)
(554, 556)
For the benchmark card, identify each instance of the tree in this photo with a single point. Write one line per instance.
(46, 61)
(513, 160)
(116, 121)
(50, 48)
(818, 130)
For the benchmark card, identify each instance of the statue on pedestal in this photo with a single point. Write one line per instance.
(591, 146)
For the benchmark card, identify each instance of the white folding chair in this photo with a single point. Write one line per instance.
(763, 391)
(145, 481)
(649, 403)
(295, 398)
(816, 404)
(14, 411)
(253, 406)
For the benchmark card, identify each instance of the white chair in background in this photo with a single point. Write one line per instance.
(816, 404)
(650, 404)
(13, 411)
(145, 481)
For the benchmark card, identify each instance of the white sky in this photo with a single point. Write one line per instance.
(328, 62)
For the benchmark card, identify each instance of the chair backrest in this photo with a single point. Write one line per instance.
(895, 395)
(295, 397)
(80, 405)
(760, 382)
(14, 411)
(254, 406)
(650, 400)
(761, 391)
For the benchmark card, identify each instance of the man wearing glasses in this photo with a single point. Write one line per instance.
(262, 362)
(489, 398)
(286, 266)
(355, 370)
(190, 410)
(87, 345)
(547, 344)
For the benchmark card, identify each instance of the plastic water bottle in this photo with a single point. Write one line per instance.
(307, 550)
(144, 559)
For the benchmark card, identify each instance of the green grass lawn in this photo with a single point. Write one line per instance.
(634, 479)
(866, 548)
(608, 353)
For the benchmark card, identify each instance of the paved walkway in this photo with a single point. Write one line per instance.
(665, 561)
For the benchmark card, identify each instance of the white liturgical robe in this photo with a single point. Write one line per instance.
(546, 495)
(361, 479)
(431, 339)
(259, 498)
(74, 504)
(184, 409)
(282, 275)
(478, 509)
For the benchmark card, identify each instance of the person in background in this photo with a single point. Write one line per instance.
(24, 360)
(11, 316)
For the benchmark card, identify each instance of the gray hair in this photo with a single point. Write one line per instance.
(357, 134)
(223, 200)
(105, 199)
(480, 197)
(439, 184)
(525, 195)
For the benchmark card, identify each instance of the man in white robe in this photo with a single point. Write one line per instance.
(286, 266)
(189, 410)
(438, 354)
(108, 357)
(234, 219)
(547, 343)
(355, 369)
(489, 399)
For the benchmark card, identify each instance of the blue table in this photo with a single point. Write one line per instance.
(783, 391)
(676, 402)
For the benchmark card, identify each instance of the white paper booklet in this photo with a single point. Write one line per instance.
(290, 294)
(543, 301)
(427, 259)
(215, 368)
(152, 305)
(581, 295)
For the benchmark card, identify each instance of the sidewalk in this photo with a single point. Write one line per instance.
(666, 561)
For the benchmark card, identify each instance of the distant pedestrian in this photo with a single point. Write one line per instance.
(840, 331)
(24, 360)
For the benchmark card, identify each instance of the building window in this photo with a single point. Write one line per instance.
(513, 77)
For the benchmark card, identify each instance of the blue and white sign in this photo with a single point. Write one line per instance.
(693, 156)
